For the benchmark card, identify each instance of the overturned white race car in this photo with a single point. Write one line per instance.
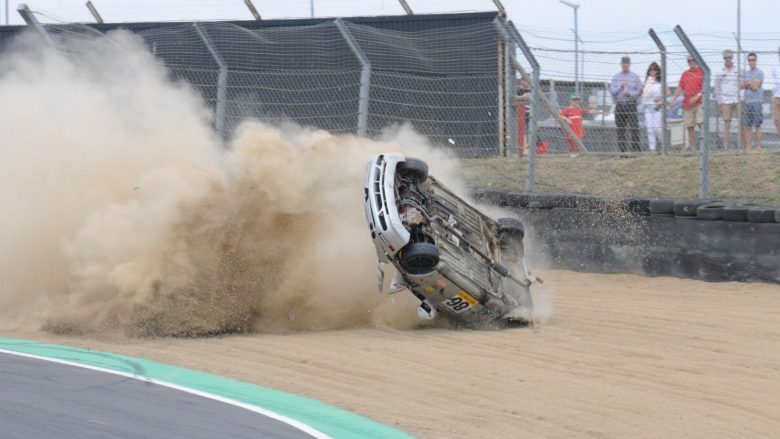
(455, 259)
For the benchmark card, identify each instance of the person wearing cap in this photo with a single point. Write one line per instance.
(727, 93)
(625, 88)
(776, 92)
(573, 115)
(690, 86)
(752, 108)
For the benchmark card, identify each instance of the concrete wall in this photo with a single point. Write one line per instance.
(614, 235)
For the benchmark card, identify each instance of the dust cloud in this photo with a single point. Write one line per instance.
(124, 215)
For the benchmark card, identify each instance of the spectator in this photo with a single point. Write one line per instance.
(573, 114)
(691, 85)
(522, 102)
(727, 93)
(625, 88)
(752, 111)
(652, 96)
(776, 93)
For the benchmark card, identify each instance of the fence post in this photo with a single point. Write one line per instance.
(704, 164)
(222, 80)
(365, 77)
(662, 50)
(510, 79)
(535, 93)
(509, 64)
(30, 19)
(502, 94)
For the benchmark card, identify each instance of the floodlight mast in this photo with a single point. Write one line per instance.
(575, 7)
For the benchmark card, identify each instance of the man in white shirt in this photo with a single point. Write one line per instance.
(776, 92)
(727, 93)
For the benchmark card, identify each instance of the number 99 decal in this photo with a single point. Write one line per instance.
(461, 302)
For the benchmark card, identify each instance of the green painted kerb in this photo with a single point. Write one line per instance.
(325, 418)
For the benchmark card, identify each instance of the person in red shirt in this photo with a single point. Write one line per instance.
(573, 114)
(691, 87)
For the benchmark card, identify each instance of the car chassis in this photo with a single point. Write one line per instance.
(454, 258)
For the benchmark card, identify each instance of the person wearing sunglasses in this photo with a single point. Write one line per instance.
(727, 93)
(690, 86)
(752, 109)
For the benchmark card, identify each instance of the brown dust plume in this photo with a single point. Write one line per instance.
(124, 215)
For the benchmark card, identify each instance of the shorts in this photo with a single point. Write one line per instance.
(752, 114)
(729, 110)
(776, 108)
(693, 116)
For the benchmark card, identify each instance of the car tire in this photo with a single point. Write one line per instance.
(661, 206)
(688, 207)
(710, 212)
(777, 215)
(639, 206)
(415, 169)
(736, 213)
(761, 215)
(511, 228)
(419, 257)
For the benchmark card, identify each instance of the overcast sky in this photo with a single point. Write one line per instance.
(595, 16)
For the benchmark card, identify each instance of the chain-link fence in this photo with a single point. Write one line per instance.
(338, 76)
(525, 118)
(627, 130)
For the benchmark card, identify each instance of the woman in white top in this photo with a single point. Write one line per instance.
(651, 103)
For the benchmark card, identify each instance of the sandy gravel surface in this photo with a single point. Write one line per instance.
(622, 356)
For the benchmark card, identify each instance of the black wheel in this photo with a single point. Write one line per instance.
(736, 213)
(419, 257)
(510, 233)
(761, 215)
(415, 169)
(661, 206)
(710, 212)
(639, 206)
(517, 199)
(510, 228)
(552, 201)
(688, 207)
(777, 215)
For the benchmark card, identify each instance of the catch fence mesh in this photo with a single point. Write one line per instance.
(458, 87)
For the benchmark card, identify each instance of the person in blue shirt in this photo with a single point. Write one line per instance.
(625, 89)
(752, 108)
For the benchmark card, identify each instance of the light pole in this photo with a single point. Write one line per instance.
(582, 61)
(576, 7)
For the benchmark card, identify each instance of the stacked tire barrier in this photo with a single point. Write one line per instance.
(699, 239)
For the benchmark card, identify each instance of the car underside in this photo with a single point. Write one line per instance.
(458, 261)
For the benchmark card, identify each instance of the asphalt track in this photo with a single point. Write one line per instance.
(42, 399)
(49, 391)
